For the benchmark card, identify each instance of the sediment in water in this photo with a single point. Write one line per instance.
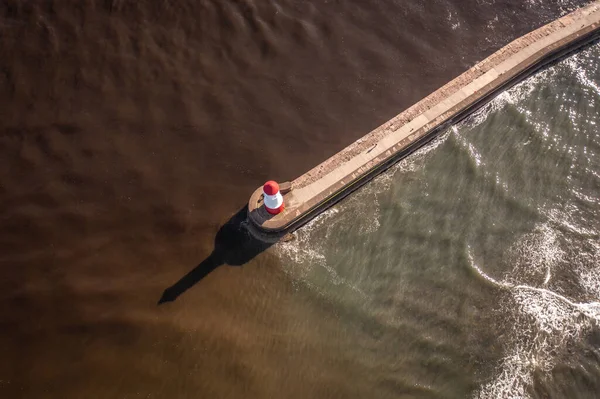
(355, 165)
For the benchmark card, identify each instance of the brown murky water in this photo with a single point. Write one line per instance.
(131, 131)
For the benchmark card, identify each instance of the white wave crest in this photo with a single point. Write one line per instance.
(302, 250)
(511, 96)
(577, 64)
(546, 321)
(535, 255)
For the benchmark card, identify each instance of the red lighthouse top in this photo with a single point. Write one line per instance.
(271, 187)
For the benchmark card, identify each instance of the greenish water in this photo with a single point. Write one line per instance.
(472, 268)
(131, 132)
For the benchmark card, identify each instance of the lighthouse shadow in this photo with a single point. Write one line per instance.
(234, 246)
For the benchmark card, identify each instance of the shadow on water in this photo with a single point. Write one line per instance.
(234, 246)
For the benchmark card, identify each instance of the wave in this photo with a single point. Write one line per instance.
(545, 321)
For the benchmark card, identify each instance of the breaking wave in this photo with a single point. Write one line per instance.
(545, 321)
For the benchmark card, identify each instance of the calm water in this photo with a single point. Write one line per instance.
(130, 132)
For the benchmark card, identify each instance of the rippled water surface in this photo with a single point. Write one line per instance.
(472, 268)
(130, 132)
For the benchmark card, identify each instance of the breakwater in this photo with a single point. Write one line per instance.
(336, 177)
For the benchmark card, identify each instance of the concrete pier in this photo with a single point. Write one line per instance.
(330, 181)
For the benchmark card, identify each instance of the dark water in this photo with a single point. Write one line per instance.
(130, 132)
